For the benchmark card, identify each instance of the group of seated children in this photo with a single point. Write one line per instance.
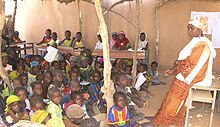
(117, 42)
(68, 91)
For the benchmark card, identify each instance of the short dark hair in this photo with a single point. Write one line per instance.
(17, 89)
(90, 122)
(53, 90)
(154, 63)
(22, 75)
(117, 95)
(34, 99)
(79, 33)
(68, 31)
(74, 94)
(33, 84)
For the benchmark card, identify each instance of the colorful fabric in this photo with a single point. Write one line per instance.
(66, 43)
(121, 45)
(200, 22)
(34, 64)
(119, 118)
(55, 122)
(86, 73)
(172, 110)
(39, 116)
(94, 90)
(11, 99)
(3, 54)
(78, 44)
(12, 75)
(54, 110)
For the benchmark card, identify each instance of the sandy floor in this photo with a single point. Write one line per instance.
(199, 116)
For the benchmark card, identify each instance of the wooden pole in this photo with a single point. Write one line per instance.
(3, 73)
(137, 40)
(108, 88)
(80, 16)
(14, 14)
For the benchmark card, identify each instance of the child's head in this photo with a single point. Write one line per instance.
(17, 82)
(128, 69)
(114, 36)
(54, 95)
(73, 61)
(90, 122)
(74, 75)
(142, 36)
(84, 61)
(142, 67)
(16, 34)
(96, 76)
(21, 92)
(99, 64)
(39, 77)
(67, 56)
(37, 88)
(21, 61)
(119, 100)
(45, 65)
(121, 79)
(24, 78)
(20, 68)
(57, 75)
(35, 68)
(99, 37)
(118, 63)
(36, 103)
(27, 59)
(75, 85)
(48, 32)
(41, 116)
(62, 64)
(13, 104)
(76, 97)
(67, 34)
(78, 36)
(4, 59)
(54, 36)
(121, 35)
(154, 66)
(55, 65)
(37, 58)
(47, 77)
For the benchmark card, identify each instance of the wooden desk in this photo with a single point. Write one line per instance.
(113, 53)
(203, 94)
(23, 46)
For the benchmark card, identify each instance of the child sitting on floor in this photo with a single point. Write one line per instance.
(46, 82)
(54, 107)
(43, 117)
(24, 79)
(19, 70)
(37, 88)
(57, 81)
(85, 69)
(143, 79)
(118, 113)
(95, 93)
(36, 104)
(12, 113)
(21, 92)
(154, 74)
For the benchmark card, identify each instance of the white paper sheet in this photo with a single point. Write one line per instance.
(140, 81)
(51, 54)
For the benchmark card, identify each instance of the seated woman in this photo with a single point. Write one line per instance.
(99, 43)
(122, 43)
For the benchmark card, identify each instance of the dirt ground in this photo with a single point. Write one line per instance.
(198, 117)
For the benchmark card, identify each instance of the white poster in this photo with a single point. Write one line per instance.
(216, 30)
